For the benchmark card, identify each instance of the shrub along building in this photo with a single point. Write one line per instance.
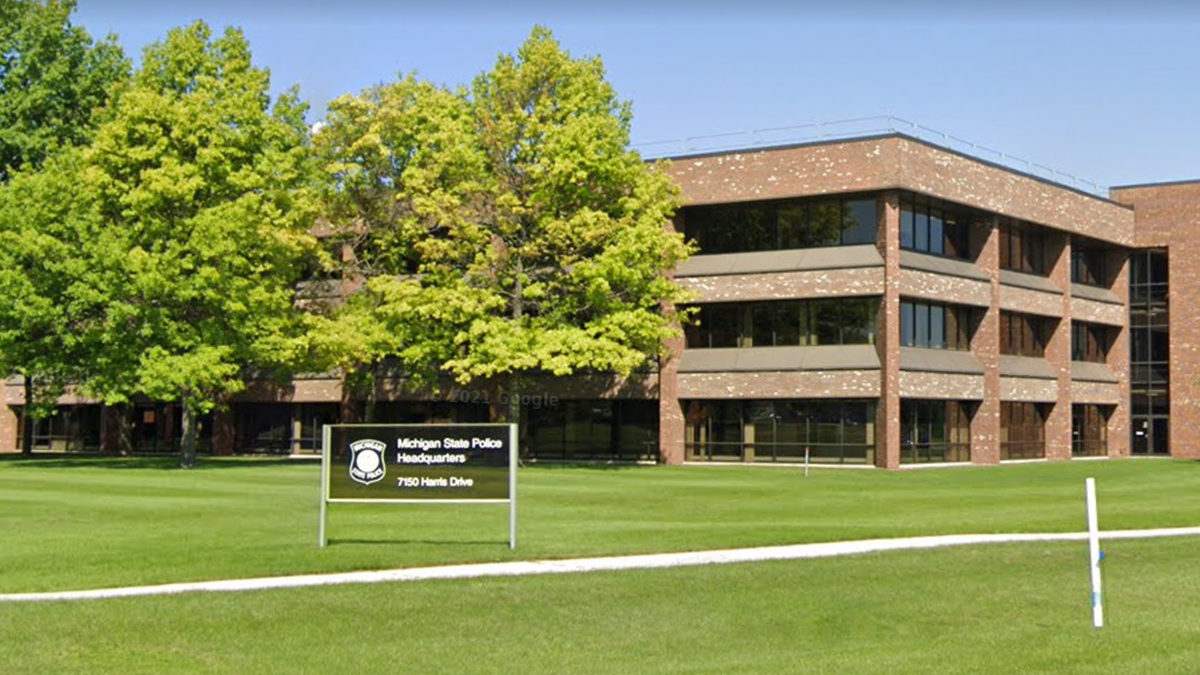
(878, 300)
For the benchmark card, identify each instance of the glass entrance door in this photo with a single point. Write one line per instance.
(1151, 435)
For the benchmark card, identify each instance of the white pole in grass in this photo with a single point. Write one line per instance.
(1094, 552)
(513, 455)
(322, 540)
(806, 461)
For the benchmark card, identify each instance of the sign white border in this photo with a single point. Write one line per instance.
(326, 450)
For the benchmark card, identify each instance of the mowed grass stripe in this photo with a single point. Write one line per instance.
(1014, 608)
(77, 523)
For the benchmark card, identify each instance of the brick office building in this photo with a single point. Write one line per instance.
(878, 300)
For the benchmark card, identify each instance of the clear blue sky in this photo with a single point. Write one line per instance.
(1103, 90)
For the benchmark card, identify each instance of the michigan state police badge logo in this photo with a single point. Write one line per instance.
(366, 461)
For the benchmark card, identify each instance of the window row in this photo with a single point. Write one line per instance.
(593, 429)
(780, 323)
(1148, 282)
(773, 226)
(1023, 430)
(935, 326)
(832, 431)
(1089, 430)
(1022, 247)
(847, 321)
(1089, 265)
(935, 431)
(930, 226)
(1090, 342)
(1025, 334)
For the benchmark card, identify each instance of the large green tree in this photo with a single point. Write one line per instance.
(200, 186)
(54, 84)
(505, 228)
(41, 334)
(53, 80)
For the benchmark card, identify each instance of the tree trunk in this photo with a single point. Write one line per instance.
(513, 415)
(127, 423)
(513, 412)
(372, 392)
(189, 436)
(514, 378)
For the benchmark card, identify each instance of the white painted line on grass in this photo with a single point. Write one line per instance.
(578, 565)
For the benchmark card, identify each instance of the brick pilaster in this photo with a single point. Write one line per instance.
(1058, 350)
(985, 345)
(887, 341)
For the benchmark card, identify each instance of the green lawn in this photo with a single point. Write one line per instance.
(83, 523)
(994, 609)
(77, 523)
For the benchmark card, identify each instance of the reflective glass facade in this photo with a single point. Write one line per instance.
(784, 323)
(779, 225)
(830, 431)
(1150, 353)
(935, 431)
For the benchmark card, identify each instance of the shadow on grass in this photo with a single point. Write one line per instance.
(595, 465)
(421, 542)
(153, 462)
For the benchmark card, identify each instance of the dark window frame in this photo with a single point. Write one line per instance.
(1023, 247)
(820, 322)
(1023, 430)
(929, 225)
(1025, 334)
(782, 224)
(935, 431)
(935, 325)
(1090, 342)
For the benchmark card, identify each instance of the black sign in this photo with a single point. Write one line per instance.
(419, 462)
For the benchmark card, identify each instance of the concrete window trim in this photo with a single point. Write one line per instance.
(1030, 367)
(1095, 293)
(793, 260)
(923, 360)
(926, 262)
(780, 359)
(1084, 371)
(1031, 282)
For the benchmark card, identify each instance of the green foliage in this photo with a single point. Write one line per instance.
(45, 284)
(202, 188)
(504, 228)
(53, 81)
(162, 258)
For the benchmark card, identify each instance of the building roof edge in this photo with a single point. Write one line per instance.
(903, 136)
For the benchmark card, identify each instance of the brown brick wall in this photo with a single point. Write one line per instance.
(1168, 216)
(985, 425)
(1101, 393)
(897, 162)
(1028, 389)
(943, 288)
(1118, 361)
(1092, 311)
(9, 423)
(1028, 301)
(1058, 353)
(773, 384)
(774, 286)
(943, 386)
(887, 340)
